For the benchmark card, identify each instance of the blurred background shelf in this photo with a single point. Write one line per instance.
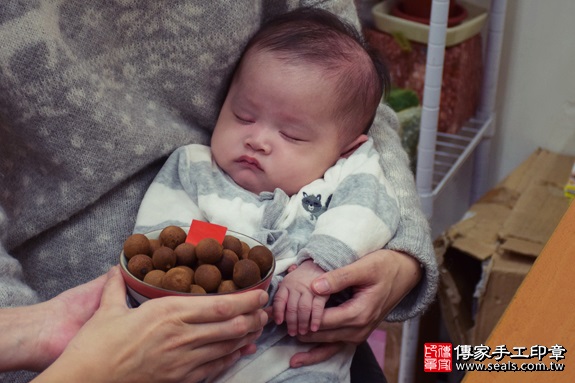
(452, 168)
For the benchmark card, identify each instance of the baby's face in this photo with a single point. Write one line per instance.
(277, 128)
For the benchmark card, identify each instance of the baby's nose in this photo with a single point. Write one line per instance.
(259, 141)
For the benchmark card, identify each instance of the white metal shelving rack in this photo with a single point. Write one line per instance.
(440, 155)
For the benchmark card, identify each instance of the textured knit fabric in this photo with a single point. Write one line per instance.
(94, 95)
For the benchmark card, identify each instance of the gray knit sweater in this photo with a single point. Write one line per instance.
(94, 95)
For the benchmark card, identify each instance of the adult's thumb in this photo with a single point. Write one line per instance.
(114, 292)
(334, 281)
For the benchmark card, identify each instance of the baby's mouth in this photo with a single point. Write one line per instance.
(250, 162)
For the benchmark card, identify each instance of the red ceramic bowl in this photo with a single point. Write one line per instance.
(139, 291)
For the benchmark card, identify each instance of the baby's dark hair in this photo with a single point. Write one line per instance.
(318, 37)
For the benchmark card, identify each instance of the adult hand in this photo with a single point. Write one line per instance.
(172, 339)
(34, 336)
(380, 280)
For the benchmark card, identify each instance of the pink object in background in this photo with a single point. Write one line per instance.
(377, 342)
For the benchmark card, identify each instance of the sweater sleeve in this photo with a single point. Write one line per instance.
(413, 235)
(13, 291)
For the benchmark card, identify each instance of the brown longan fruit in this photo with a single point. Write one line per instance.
(189, 270)
(245, 250)
(226, 263)
(154, 245)
(227, 286)
(185, 254)
(137, 244)
(154, 277)
(196, 289)
(139, 265)
(172, 236)
(208, 250)
(164, 258)
(177, 279)
(246, 273)
(208, 276)
(263, 257)
(233, 243)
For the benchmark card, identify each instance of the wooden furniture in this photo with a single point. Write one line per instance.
(542, 312)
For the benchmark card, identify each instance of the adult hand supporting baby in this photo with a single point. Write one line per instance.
(173, 339)
(380, 280)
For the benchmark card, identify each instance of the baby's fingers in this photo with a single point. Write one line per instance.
(280, 303)
(304, 313)
(291, 315)
(318, 306)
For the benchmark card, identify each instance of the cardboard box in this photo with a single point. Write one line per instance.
(484, 257)
(570, 185)
(540, 315)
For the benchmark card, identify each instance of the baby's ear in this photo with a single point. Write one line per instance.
(350, 148)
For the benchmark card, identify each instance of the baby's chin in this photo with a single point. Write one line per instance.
(257, 186)
(250, 185)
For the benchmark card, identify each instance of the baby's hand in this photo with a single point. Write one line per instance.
(296, 303)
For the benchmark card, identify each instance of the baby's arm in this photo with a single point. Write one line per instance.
(362, 215)
(295, 302)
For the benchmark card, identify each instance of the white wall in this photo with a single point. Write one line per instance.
(536, 90)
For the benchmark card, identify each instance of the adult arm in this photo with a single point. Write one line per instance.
(413, 236)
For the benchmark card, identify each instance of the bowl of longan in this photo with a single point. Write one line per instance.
(162, 263)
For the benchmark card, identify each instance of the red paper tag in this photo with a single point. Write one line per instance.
(201, 229)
